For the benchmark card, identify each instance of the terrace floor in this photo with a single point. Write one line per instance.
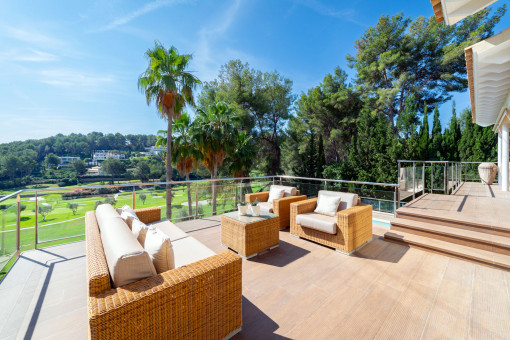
(300, 290)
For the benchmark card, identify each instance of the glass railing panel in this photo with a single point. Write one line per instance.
(8, 234)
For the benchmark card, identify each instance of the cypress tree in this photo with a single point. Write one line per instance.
(436, 151)
(424, 137)
(321, 159)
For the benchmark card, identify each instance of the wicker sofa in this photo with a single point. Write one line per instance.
(280, 206)
(353, 226)
(201, 300)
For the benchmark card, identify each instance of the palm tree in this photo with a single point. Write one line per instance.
(185, 153)
(168, 84)
(242, 158)
(215, 135)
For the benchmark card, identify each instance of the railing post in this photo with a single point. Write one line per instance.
(414, 180)
(446, 178)
(325, 185)
(423, 179)
(134, 198)
(2, 245)
(196, 200)
(36, 220)
(431, 178)
(395, 202)
(18, 224)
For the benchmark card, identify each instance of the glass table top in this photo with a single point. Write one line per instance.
(248, 218)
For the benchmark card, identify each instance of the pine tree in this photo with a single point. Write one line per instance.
(311, 163)
(321, 159)
(436, 152)
(451, 138)
(424, 137)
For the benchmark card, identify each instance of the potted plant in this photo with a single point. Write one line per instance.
(255, 209)
(242, 208)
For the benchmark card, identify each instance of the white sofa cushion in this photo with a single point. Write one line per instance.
(275, 193)
(128, 215)
(348, 200)
(159, 248)
(127, 260)
(289, 191)
(188, 250)
(265, 207)
(318, 222)
(139, 229)
(169, 229)
(327, 204)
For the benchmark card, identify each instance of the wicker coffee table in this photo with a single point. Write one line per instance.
(249, 235)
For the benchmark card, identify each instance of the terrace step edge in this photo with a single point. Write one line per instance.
(471, 254)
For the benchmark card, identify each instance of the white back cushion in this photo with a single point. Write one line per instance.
(127, 260)
(274, 194)
(348, 200)
(159, 248)
(327, 204)
(128, 215)
(289, 191)
(139, 229)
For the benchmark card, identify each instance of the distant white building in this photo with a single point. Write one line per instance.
(153, 150)
(102, 155)
(66, 161)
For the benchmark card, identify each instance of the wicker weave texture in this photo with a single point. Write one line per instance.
(149, 215)
(281, 206)
(354, 226)
(200, 301)
(98, 275)
(250, 238)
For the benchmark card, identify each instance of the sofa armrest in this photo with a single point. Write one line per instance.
(149, 215)
(261, 196)
(355, 225)
(281, 206)
(304, 206)
(201, 300)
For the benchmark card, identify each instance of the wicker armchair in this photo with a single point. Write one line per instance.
(354, 226)
(200, 301)
(281, 206)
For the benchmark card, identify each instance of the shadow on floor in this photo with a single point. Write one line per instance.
(256, 324)
(280, 257)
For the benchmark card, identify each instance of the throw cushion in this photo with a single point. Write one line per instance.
(327, 205)
(159, 248)
(349, 200)
(139, 229)
(275, 193)
(265, 207)
(128, 215)
(127, 260)
(289, 191)
(324, 223)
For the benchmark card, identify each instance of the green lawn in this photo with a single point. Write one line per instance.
(61, 222)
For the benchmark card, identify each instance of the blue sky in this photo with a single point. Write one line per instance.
(72, 66)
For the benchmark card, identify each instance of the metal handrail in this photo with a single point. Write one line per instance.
(339, 181)
(10, 195)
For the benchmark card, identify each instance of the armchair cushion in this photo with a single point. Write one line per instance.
(139, 229)
(348, 200)
(275, 193)
(266, 207)
(318, 222)
(289, 191)
(327, 205)
(128, 215)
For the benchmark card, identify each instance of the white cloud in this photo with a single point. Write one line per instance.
(32, 37)
(147, 8)
(30, 55)
(65, 77)
(207, 58)
(346, 14)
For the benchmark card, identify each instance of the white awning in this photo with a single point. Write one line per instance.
(452, 11)
(488, 69)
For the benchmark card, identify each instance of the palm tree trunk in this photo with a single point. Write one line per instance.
(189, 196)
(213, 175)
(169, 167)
